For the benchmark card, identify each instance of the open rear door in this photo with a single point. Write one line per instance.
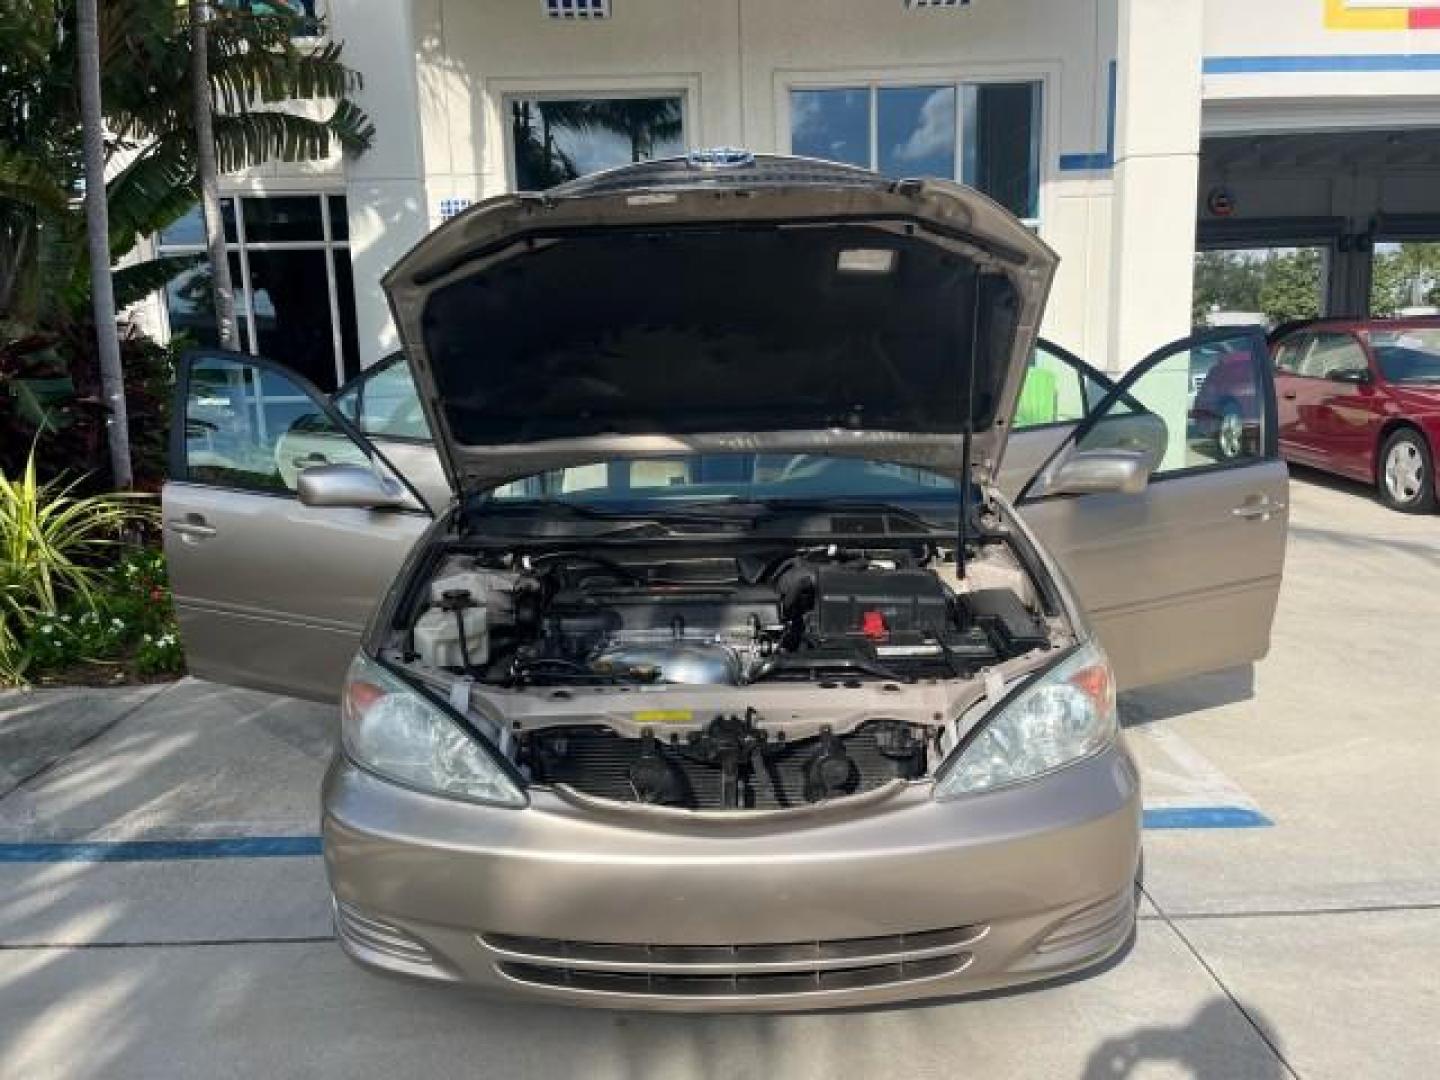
(1184, 577)
(270, 593)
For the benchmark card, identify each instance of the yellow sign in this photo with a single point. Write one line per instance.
(665, 716)
(1381, 15)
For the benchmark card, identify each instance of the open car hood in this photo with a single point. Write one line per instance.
(688, 307)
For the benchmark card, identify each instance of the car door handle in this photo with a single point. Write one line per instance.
(308, 461)
(1262, 509)
(1289, 395)
(192, 526)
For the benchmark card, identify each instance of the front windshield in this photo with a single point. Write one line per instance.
(1408, 356)
(730, 478)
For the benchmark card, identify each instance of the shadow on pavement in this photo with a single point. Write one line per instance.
(1188, 695)
(1196, 1046)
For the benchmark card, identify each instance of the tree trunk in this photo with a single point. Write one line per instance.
(97, 227)
(221, 286)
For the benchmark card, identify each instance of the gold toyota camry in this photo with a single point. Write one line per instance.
(700, 644)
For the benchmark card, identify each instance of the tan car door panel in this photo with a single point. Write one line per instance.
(1184, 577)
(269, 593)
(1175, 581)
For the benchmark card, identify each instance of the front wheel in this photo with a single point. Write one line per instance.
(1407, 478)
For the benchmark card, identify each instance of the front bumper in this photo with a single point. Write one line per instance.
(900, 899)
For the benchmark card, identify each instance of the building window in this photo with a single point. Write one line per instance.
(984, 134)
(557, 139)
(294, 289)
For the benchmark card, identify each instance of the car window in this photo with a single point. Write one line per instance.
(1409, 356)
(383, 401)
(1332, 354)
(1200, 407)
(1053, 392)
(249, 426)
(1290, 352)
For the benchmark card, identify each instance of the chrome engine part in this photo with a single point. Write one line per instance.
(695, 663)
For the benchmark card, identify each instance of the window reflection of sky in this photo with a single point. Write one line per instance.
(988, 139)
(831, 124)
(917, 130)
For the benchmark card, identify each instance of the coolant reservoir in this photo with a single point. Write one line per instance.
(437, 637)
(494, 589)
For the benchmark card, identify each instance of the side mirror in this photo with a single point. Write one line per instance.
(1091, 472)
(355, 486)
(1356, 376)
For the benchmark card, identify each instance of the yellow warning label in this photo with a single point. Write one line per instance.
(664, 716)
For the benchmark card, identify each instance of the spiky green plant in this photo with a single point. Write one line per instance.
(52, 544)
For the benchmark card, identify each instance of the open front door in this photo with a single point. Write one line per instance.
(1184, 577)
(270, 593)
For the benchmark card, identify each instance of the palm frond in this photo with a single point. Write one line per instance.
(248, 66)
(151, 192)
(27, 182)
(135, 282)
(250, 138)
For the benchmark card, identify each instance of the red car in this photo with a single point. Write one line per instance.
(1357, 397)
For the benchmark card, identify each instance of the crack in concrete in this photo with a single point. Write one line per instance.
(1215, 977)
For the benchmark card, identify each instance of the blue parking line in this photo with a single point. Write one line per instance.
(290, 847)
(1205, 817)
(238, 847)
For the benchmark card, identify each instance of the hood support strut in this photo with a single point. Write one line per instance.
(967, 437)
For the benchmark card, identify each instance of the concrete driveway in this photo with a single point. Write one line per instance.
(163, 909)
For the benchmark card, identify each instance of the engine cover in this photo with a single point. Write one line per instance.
(878, 602)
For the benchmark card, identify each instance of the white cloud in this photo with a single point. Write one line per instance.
(935, 134)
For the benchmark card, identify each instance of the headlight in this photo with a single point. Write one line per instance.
(391, 729)
(1068, 713)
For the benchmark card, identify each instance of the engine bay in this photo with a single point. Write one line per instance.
(710, 676)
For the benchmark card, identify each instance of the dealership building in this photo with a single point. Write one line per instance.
(1129, 133)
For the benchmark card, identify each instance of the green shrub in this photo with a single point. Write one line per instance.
(54, 546)
(127, 622)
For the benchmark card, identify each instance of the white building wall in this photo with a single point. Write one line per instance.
(1157, 147)
(438, 73)
(385, 186)
(1318, 65)
(734, 61)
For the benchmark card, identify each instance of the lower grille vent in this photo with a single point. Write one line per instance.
(670, 984)
(368, 932)
(801, 967)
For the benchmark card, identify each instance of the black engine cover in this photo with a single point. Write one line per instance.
(908, 602)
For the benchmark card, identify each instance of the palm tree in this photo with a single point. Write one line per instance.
(257, 72)
(209, 176)
(97, 222)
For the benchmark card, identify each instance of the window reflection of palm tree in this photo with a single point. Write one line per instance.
(643, 121)
(540, 162)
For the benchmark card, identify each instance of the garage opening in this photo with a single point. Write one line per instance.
(1301, 224)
